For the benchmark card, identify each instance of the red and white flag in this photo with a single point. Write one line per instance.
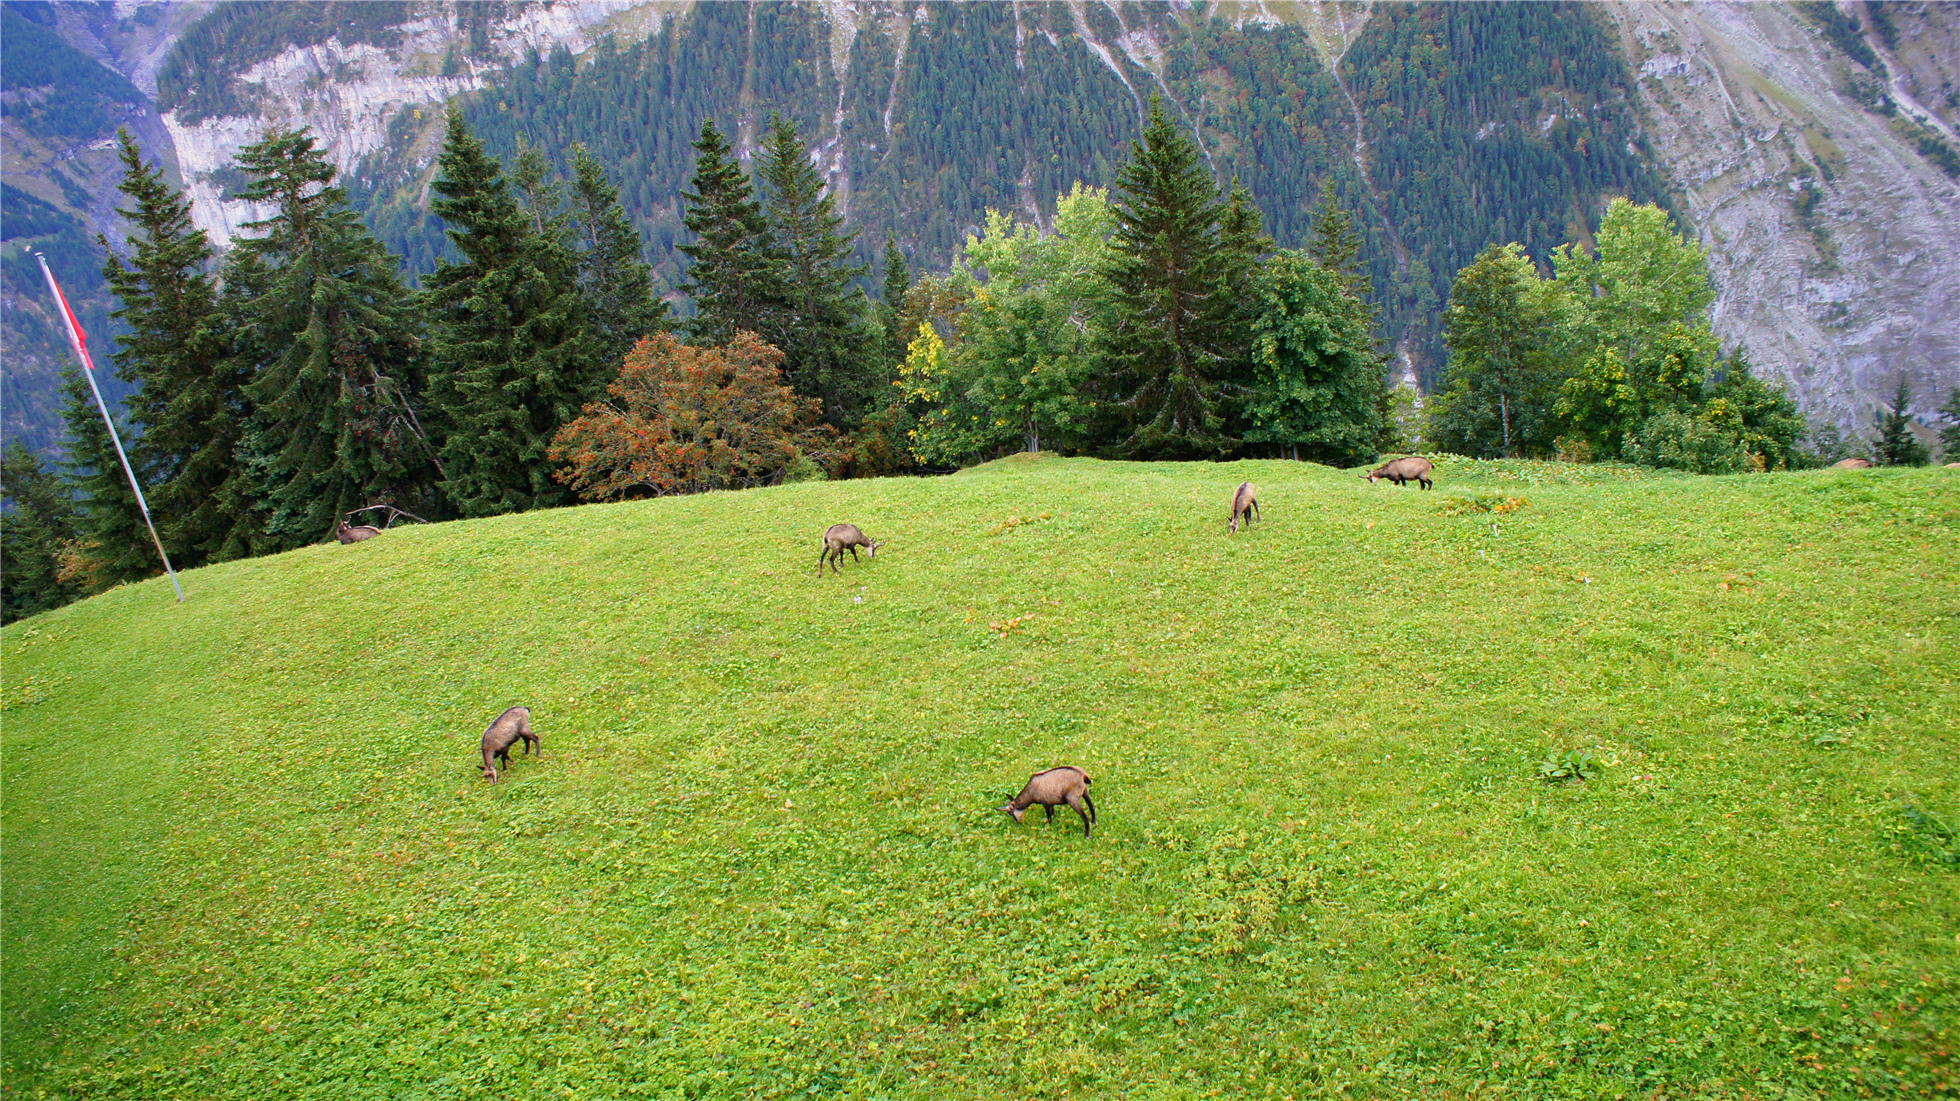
(75, 334)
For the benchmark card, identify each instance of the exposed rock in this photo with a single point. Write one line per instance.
(1833, 240)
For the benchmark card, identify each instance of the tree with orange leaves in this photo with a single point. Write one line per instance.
(681, 419)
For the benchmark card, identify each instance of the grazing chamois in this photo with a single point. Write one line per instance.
(1415, 468)
(1852, 464)
(513, 724)
(357, 533)
(841, 537)
(1245, 506)
(1052, 788)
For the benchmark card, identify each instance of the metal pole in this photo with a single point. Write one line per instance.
(88, 369)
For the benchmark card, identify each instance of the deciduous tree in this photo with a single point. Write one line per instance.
(1319, 386)
(682, 419)
(1503, 382)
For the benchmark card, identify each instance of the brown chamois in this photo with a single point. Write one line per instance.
(1852, 464)
(1052, 788)
(841, 537)
(357, 533)
(513, 724)
(1245, 506)
(1415, 468)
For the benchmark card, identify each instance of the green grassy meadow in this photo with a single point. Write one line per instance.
(247, 853)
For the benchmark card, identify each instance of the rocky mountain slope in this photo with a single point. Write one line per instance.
(1835, 241)
(1830, 225)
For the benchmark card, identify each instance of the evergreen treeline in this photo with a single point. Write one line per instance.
(196, 79)
(298, 379)
(1482, 123)
(47, 87)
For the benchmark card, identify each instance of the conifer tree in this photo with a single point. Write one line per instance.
(112, 544)
(818, 317)
(330, 339)
(190, 401)
(1336, 246)
(1950, 435)
(898, 281)
(616, 281)
(733, 270)
(1178, 334)
(1896, 445)
(35, 535)
(513, 356)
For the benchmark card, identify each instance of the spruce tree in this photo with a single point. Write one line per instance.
(898, 281)
(618, 289)
(36, 533)
(112, 543)
(1179, 334)
(512, 353)
(331, 340)
(818, 319)
(733, 269)
(1336, 246)
(1896, 445)
(190, 400)
(1950, 435)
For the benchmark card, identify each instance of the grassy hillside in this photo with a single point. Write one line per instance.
(248, 854)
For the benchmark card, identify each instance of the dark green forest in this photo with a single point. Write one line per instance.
(1483, 123)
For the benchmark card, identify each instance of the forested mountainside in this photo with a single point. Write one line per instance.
(1810, 147)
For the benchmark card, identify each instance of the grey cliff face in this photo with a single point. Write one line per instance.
(1835, 243)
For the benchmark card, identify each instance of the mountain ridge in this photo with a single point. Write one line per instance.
(1784, 177)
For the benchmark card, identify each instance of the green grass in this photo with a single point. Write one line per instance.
(248, 854)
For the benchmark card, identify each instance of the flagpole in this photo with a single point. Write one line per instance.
(79, 341)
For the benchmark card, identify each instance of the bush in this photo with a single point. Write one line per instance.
(1677, 440)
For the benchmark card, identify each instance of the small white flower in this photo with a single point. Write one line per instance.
(857, 600)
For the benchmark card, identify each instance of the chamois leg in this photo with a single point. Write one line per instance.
(821, 555)
(1076, 802)
(1050, 808)
(1255, 511)
(1092, 806)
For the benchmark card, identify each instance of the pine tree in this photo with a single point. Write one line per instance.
(190, 401)
(513, 357)
(898, 281)
(1337, 247)
(112, 544)
(733, 269)
(1950, 435)
(330, 338)
(818, 317)
(36, 534)
(1896, 445)
(618, 289)
(1179, 334)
